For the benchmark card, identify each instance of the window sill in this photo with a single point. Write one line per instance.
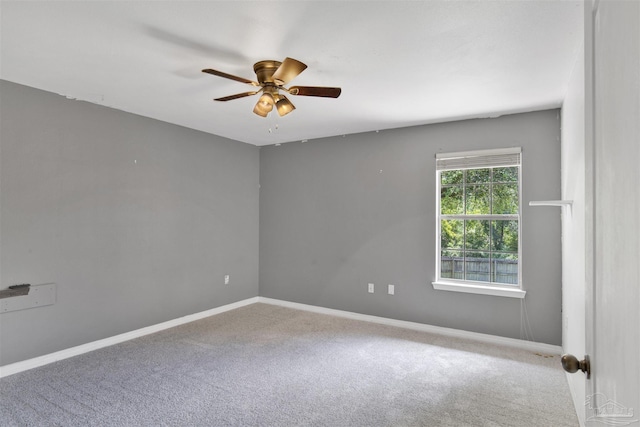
(479, 289)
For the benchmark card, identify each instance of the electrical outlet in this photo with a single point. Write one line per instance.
(370, 288)
(226, 279)
(392, 289)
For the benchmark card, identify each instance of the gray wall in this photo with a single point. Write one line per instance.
(339, 212)
(135, 220)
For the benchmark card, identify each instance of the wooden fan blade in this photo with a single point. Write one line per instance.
(288, 70)
(325, 92)
(230, 76)
(236, 96)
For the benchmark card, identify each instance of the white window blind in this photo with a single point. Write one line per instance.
(479, 159)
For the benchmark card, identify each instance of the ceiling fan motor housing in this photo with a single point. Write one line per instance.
(264, 70)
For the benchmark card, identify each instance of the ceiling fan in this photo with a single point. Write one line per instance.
(272, 76)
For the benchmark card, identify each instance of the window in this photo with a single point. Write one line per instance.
(478, 222)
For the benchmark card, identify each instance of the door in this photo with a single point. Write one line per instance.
(613, 212)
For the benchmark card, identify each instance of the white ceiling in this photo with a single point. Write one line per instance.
(399, 63)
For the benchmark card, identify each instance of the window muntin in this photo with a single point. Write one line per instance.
(479, 217)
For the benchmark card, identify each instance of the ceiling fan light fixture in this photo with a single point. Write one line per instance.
(259, 111)
(266, 101)
(264, 105)
(284, 106)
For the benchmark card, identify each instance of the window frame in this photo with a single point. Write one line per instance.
(479, 159)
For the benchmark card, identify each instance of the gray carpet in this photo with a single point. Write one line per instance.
(265, 365)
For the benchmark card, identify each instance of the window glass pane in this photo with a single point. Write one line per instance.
(451, 234)
(504, 236)
(478, 266)
(480, 250)
(505, 198)
(504, 268)
(475, 176)
(505, 174)
(477, 199)
(451, 200)
(451, 265)
(451, 177)
(477, 235)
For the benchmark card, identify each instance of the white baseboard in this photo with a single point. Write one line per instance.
(36, 362)
(457, 333)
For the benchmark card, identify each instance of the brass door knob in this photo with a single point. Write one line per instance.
(571, 364)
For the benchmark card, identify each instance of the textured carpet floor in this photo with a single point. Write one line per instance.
(265, 365)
